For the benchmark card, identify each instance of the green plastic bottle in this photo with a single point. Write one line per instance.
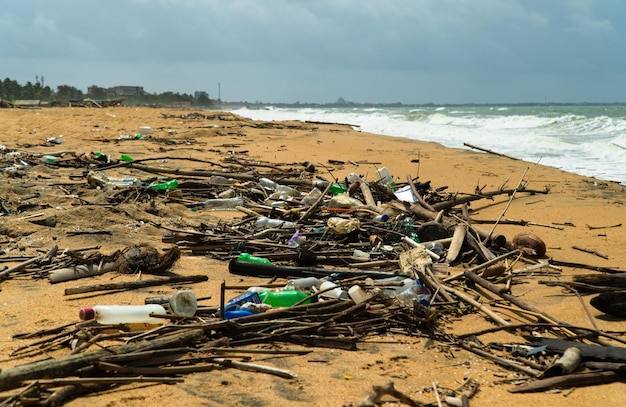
(126, 158)
(171, 184)
(336, 189)
(247, 257)
(283, 299)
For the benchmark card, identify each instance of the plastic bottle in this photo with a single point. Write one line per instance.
(171, 184)
(268, 183)
(49, 159)
(229, 193)
(123, 314)
(247, 257)
(381, 218)
(219, 204)
(126, 158)
(288, 191)
(219, 180)
(283, 298)
(265, 222)
(336, 189)
(413, 290)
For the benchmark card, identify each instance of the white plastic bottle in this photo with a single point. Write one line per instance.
(123, 314)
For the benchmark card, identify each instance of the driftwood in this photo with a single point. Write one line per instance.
(489, 151)
(13, 377)
(590, 251)
(445, 205)
(270, 270)
(130, 285)
(567, 381)
(611, 280)
(388, 389)
(612, 303)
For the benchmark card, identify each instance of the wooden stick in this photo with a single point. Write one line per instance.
(517, 188)
(419, 198)
(130, 285)
(571, 380)
(489, 151)
(582, 249)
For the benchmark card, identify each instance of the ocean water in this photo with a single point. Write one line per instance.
(589, 140)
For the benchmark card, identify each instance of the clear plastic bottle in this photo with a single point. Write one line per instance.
(413, 290)
(123, 314)
(265, 222)
(268, 184)
(219, 204)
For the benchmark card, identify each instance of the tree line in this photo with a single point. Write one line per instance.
(11, 90)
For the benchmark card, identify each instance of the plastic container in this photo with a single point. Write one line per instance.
(305, 283)
(183, 304)
(238, 301)
(283, 299)
(333, 291)
(123, 314)
(219, 204)
(265, 222)
(247, 257)
(357, 294)
(384, 176)
(145, 130)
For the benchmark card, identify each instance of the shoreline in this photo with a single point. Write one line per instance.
(455, 129)
(187, 141)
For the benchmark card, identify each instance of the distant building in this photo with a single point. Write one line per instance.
(200, 94)
(125, 91)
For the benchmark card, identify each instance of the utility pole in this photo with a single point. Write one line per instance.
(219, 95)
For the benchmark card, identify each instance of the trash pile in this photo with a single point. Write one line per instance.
(338, 261)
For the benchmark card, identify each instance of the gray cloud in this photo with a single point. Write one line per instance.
(412, 51)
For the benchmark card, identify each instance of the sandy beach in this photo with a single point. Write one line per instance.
(576, 212)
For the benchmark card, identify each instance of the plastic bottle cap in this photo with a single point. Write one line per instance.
(86, 314)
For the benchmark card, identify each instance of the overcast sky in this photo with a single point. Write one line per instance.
(408, 51)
